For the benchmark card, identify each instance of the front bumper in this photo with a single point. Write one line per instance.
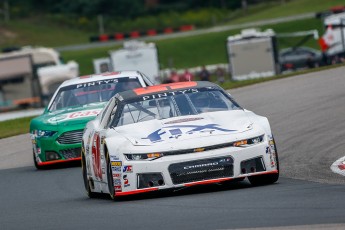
(195, 169)
(48, 150)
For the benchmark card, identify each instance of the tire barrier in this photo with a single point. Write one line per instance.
(137, 34)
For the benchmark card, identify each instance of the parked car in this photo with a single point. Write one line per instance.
(174, 136)
(299, 58)
(56, 134)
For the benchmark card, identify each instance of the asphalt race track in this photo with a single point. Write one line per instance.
(307, 115)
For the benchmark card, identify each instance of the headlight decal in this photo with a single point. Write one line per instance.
(154, 156)
(43, 133)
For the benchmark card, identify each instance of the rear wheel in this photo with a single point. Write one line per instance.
(267, 178)
(110, 178)
(89, 193)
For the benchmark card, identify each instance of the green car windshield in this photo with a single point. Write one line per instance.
(91, 92)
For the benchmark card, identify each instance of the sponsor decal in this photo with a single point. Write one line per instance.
(89, 138)
(163, 87)
(125, 181)
(222, 165)
(116, 168)
(116, 163)
(184, 120)
(96, 156)
(167, 94)
(114, 158)
(270, 149)
(118, 188)
(74, 115)
(225, 160)
(116, 175)
(94, 83)
(178, 130)
(103, 140)
(127, 168)
(110, 73)
(117, 182)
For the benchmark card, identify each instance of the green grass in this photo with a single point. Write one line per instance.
(38, 32)
(14, 127)
(195, 51)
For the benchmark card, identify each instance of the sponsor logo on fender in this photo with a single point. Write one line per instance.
(116, 168)
(75, 115)
(127, 168)
(117, 182)
(113, 158)
(125, 181)
(116, 163)
(118, 188)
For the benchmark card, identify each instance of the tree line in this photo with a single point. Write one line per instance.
(125, 8)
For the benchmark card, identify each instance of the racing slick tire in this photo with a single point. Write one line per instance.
(110, 177)
(89, 193)
(268, 178)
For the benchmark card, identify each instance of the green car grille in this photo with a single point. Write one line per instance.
(71, 153)
(72, 137)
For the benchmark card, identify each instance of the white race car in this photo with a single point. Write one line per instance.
(173, 136)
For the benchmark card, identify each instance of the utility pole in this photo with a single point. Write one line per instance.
(244, 5)
(5, 11)
(100, 24)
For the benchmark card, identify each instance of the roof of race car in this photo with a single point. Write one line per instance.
(95, 77)
(171, 87)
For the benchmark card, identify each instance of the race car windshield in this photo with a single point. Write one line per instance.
(175, 104)
(91, 92)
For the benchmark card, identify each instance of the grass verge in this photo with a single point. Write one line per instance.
(14, 127)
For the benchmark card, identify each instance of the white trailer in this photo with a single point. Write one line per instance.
(252, 54)
(334, 36)
(30, 74)
(137, 55)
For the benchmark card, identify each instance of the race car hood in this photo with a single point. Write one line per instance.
(60, 119)
(188, 127)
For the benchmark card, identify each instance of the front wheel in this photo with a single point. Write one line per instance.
(89, 193)
(110, 178)
(268, 178)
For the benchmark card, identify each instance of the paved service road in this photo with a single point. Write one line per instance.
(215, 29)
(307, 116)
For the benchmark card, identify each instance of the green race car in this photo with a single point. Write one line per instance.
(56, 135)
